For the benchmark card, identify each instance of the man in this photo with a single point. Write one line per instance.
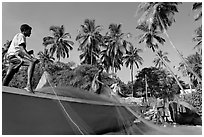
(160, 110)
(17, 56)
(97, 81)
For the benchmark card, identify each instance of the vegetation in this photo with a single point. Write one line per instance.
(113, 50)
(159, 82)
(90, 40)
(59, 42)
(159, 16)
(115, 47)
(132, 57)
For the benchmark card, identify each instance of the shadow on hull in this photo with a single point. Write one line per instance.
(41, 113)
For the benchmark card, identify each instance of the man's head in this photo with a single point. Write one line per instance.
(26, 30)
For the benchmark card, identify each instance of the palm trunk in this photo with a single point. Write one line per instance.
(189, 68)
(146, 88)
(132, 80)
(180, 55)
(189, 79)
(113, 71)
(172, 73)
(91, 54)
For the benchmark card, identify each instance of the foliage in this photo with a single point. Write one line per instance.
(90, 39)
(160, 83)
(150, 37)
(157, 14)
(115, 46)
(5, 48)
(198, 39)
(60, 43)
(195, 62)
(198, 32)
(20, 79)
(45, 58)
(198, 6)
(161, 56)
(80, 77)
(195, 99)
(132, 57)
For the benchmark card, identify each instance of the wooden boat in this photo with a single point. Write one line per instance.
(71, 111)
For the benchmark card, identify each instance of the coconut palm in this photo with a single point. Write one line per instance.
(197, 6)
(60, 43)
(152, 40)
(162, 60)
(115, 47)
(132, 57)
(195, 61)
(198, 39)
(150, 37)
(161, 16)
(198, 32)
(90, 39)
(158, 62)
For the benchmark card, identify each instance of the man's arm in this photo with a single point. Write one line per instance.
(24, 51)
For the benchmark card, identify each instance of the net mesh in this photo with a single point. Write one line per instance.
(96, 117)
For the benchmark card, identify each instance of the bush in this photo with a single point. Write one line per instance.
(20, 79)
(195, 99)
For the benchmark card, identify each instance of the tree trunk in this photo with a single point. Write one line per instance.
(172, 73)
(113, 71)
(91, 53)
(132, 80)
(146, 88)
(199, 79)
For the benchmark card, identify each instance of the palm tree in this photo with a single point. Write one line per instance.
(198, 6)
(115, 47)
(152, 39)
(161, 61)
(158, 62)
(195, 61)
(161, 16)
(198, 39)
(132, 57)
(198, 32)
(90, 39)
(60, 43)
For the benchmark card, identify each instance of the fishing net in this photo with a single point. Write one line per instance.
(87, 113)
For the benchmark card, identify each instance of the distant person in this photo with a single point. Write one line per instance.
(116, 88)
(97, 81)
(160, 110)
(17, 55)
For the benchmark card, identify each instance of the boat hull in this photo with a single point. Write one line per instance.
(24, 114)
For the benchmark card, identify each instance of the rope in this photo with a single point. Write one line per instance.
(64, 108)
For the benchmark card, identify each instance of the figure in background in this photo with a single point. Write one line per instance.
(97, 83)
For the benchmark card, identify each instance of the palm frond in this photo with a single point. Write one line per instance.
(197, 5)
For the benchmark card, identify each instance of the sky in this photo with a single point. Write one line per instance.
(41, 15)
